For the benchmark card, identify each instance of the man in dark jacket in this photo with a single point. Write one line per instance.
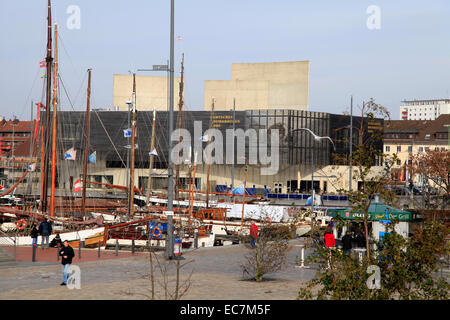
(347, 242)
(67, 254)
(45, 230)
(361, 240)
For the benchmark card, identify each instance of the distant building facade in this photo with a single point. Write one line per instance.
(405, 138)
(424, 109)
(152, 92)
(265, 86)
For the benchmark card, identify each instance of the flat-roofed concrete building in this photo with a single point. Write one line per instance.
(424, 109)
(151, 92)
(269, 85)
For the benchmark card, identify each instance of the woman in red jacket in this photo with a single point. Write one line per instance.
(330, 242)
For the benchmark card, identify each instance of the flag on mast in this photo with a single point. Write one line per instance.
(70, 154)
(77, 186)
(153, 152)
(93, 157)
(43, 64)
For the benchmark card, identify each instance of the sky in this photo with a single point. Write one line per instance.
(407, 57)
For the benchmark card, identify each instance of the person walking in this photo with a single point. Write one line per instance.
(66, 252)
(347, 242)
(253, 234)
(360, 240)
(45, 230)
(330, 242)
(34, 235)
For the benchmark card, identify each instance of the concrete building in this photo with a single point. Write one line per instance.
(152, 92)
(424, 109)
(405, 138)
(266, 86)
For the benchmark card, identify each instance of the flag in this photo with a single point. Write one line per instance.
(205, 138)
(43, 64)
(31, 167)
(127, 133)
(77, 186)
(36, 129)
(70, 154)
(44, 76)
(178, 38)
(153, 153)
(92, 158)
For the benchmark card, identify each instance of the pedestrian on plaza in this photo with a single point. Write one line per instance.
(330, 242)
(34, 235)
(66, 252)
(253, 234)
(360, 240)
(56, 242)
(45, 230)
(347, 242)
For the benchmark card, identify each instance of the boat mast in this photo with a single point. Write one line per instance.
(49, 62)
(149, 193)
(133, 139)
(86, 146)
(179, 120)
(243, 196)
(209, 160)
(55, 103)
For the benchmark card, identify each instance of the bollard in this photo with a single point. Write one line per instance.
(302, 261)
(33, 258)
(196, 239)
(132, 246)
(117, 247)
(99, 248)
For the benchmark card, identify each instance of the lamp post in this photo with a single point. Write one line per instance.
(316, 138)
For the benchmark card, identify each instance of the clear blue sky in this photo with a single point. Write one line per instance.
(409, 57)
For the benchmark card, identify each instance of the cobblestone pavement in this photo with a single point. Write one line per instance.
(216, 274)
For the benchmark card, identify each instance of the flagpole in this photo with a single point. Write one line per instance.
(86, 146)
(133, 139)
(149, 193)
(209, 160)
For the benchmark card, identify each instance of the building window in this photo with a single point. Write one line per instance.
(427, 149)
(399, 148)
(409, 149)
(420, 149)
(388, 149)
(398, 162)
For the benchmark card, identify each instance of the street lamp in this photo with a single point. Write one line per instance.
(316, 138)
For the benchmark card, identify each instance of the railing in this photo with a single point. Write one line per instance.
(8, 241)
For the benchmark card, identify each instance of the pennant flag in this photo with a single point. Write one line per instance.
(127, 133)
(70, 154)
(77, 186)
(153, 153)
(44, 76)
(31, 167)
(205, 138)
(43, 64)
(93, 157)
(178, 38)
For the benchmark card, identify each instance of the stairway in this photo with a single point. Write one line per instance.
(6, 259)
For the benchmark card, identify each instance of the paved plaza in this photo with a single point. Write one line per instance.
(216, 274)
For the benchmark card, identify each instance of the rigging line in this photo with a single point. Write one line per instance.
(101, 122)
(70, 58)
(29, 94)
(67, 94)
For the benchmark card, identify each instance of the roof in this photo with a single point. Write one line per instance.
(420, 127)
(15, 125)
